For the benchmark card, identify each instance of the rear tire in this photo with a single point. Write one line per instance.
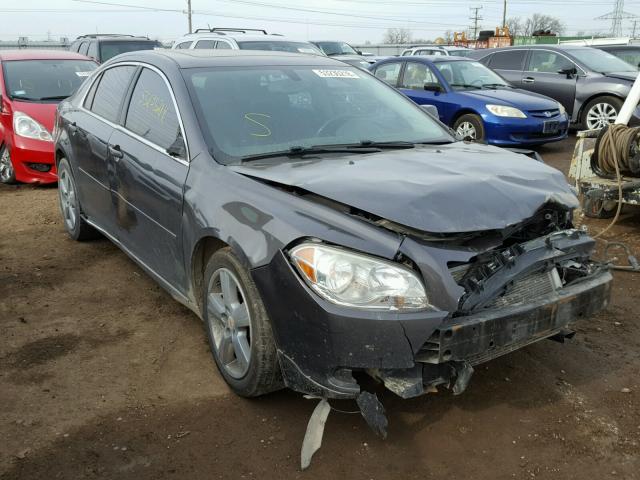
(75, 225)
(7, 172)
(239, 328)
(470, 127)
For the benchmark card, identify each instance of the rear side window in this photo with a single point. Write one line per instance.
(223, 46)
(84, 46)
(183, 45)
(389, 72)
(416, 75)
(508, 60)
(205, 44)
(151, 112)
(111, 90)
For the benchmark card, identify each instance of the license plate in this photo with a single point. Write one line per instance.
(551, 127)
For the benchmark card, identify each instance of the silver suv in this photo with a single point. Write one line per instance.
(242, 39)
(445, 50)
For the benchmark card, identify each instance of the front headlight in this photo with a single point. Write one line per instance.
(562, 109)
(356, 280)
(25, 126)
(504, 111)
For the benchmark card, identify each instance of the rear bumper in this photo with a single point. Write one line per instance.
(33, 161)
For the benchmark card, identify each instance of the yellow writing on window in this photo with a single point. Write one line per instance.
(266, 131)
(154, 104)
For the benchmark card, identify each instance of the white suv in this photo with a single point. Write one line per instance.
(242, 39)
(437, 50)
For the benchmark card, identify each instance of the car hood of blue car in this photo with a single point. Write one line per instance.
(458, 187)
(511, 97)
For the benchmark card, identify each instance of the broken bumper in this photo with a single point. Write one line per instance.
(320, 344)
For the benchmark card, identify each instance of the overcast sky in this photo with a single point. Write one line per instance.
(351, 20)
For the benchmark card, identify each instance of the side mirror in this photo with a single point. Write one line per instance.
(569, 72)
(359, 52)
(431, 110)
(433, 87)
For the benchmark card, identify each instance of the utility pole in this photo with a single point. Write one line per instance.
(476, 18)
(189, 15)
(504, 15)
(635, 24)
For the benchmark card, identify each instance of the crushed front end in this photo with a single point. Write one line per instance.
(489, 293)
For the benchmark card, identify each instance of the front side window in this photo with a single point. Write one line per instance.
(41, 80)
(282, 46)
(93, 50)
(183, 45)
(544, 61)
(416, 75)
(84, 47)
(508, 60)
(469, 75)
(111, 91)
(209, 44)
(223, 45)
(110, 49)
(389, 73)
(266, 110)
(152, 114)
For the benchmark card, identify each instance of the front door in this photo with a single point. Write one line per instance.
(420, 84)
(546, 73)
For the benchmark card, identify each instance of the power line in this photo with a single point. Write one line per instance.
(616, 18)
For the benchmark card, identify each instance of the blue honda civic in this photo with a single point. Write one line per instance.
(475, 101)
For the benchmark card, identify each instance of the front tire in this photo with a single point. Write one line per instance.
(7, 172)
(600, 112)
(470, 127)
(76, 226)
(239, 328)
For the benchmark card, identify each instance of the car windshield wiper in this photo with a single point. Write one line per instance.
(55, 97)
(301, 151)
(495, 85)
(465, 85)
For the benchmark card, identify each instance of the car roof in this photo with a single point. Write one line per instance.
(218, 58)
(28, 54)
(239, 37)
(428, 59)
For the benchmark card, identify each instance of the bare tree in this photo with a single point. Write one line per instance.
(515, 26)
(397, 35)
(539, 21)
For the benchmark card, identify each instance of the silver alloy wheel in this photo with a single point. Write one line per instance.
(230, 322)
(6, 167)
(601, 115)
(467, 130)
(67, 195)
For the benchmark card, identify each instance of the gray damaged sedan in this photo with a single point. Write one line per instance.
(321, 224)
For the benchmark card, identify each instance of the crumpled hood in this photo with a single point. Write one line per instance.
(517, 98)
(452, 188)
(43, 113)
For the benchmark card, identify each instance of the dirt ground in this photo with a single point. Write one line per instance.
(103, 375)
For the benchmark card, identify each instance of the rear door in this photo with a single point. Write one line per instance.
(509, 64)
(150, 161)
(417, 75)
(543, 75)
(90, 129)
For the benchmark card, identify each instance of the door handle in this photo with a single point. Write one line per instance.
(528, 80)
(115, 152)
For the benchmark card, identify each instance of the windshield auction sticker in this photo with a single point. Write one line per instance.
(335, 74)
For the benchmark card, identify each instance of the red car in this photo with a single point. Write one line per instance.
(32, 83)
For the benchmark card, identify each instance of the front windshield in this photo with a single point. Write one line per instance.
(40, 80)
(629, 55)
(110, 49)
(261, 110)
(336, 48)
(600, 61)
(279, 46)
(469, 75)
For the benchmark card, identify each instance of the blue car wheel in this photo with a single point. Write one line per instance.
(469, 127)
